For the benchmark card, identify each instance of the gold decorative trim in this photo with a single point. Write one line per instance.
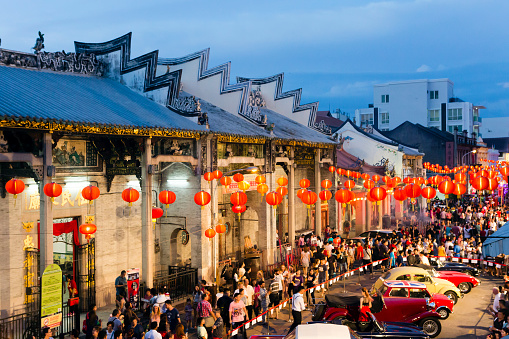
(85, 129)
(240, 139)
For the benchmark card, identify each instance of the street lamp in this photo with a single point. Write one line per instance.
(464, 155)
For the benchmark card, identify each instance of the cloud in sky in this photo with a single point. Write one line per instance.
(504, 84)
(423, 68)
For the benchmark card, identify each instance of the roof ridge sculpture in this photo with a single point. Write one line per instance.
(147, 61)
(296, 94)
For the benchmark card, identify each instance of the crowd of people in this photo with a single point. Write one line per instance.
(454, 230)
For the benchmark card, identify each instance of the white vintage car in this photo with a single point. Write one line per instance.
(314, 331)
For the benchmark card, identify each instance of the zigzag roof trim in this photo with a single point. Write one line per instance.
(149, 61)
(279, 94)
(203, 72)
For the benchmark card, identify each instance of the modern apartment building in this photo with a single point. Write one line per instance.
(426, 102)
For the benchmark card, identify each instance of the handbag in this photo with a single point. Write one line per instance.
(209, 321)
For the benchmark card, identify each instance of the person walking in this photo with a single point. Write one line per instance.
(366, 258)
(237, 313)
(298, 306)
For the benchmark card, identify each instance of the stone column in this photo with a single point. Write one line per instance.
(147, 233)
(334, 211)
(369, 212)
(270, 221)
(291, 199)
(46, 211)
(318, 205)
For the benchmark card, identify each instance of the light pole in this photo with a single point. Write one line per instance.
(464, 155)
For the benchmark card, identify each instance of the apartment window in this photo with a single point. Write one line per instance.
(433, 115)
(433, 94)
(366, 119)
(385, 98)
(384, 118)
(452, 127)
(454, 114)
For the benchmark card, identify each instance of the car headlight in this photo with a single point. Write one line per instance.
(432, 305)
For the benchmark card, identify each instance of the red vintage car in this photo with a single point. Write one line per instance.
(418, 309)
(394, 290)
(464, 282)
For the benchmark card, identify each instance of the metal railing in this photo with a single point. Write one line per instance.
(178, 281)
(28, 325)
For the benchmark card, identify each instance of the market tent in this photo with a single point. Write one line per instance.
(497, 243)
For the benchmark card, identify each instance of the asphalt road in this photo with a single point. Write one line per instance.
(470, 319)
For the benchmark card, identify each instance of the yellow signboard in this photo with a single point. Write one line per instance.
(51, 291)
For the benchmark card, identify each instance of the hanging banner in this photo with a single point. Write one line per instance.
(133, 285)
(51, 296)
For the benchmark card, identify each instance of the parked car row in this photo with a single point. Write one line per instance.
(408, 302)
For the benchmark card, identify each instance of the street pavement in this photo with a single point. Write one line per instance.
(470, 319)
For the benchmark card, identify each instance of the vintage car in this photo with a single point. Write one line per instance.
(386, 234)
(312, 331)
(464, 282)
(369, 329)
(412, 273)
(347, 307)
(454, 266)
(398, 293)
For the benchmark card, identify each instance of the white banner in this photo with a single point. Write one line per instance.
(454, 259)
(498, 266)
(442, 258)
(465, 261)
(246, 326)
(490, 263)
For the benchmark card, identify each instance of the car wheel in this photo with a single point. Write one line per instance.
(431, 327)
(451, 295)
(465, 287)
(443, 313)
(469, 272)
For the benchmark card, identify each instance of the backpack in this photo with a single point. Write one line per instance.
(84, 327)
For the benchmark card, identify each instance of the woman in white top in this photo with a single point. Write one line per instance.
(305, 257)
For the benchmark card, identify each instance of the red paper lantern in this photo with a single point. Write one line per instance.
(88, 230)
(446, 187)
(157, 212)
(225, 181)
(504, 171)
(428, 192)
(343, 196)
(209, 176)
(238, 209)
(369, 184)
(492, 184)
(412, 191)
(202, 198)
(15, 187)
(260, 179)
(262, 189)
(378, 194)
(220, 228)
(349, 184)
(52, 190)
(400, 195)
(244, 185)
(217, 174)
(167, 197)
(325, 195)
(309, 198)
(282, 190)
(460, 177)
(391, 183)
(398, 180)
(459, 189)
(385, 178)
(130, 195)
(90, 193)
(332, 169)
(376, 178)
(300, 192)
(238, 198)
(304, 183)
(326, 184)
(480, 183)
(273, 198)
(210, 233)
(238, 177)
(282, 181)
(365, 176)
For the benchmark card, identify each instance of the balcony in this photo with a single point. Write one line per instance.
(413, 172)
(477, 120)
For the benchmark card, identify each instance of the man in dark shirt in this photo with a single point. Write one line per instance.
(399, 259)
(410, 258)
(223, 304)
(172, 316)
